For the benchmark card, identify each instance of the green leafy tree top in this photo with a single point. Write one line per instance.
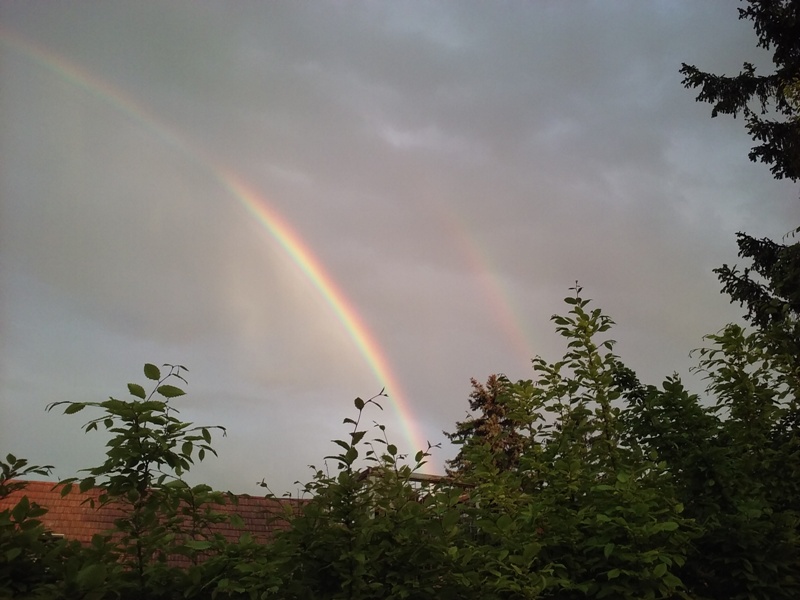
(148, 454)
(150, 445)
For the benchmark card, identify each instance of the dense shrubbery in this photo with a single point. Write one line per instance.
(580, 483)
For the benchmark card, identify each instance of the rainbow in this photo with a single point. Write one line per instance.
(254, 203)
(494, 290)
(348, 316)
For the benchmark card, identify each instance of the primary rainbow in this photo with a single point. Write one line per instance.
(312, 268)
(256, 205)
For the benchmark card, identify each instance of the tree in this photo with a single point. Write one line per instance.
(27, 552)
(770, 291)
(364, 533)
(148, 454)
(769, 103)
(577, 513)
(732, 460)
(770, 288)
(499, 424)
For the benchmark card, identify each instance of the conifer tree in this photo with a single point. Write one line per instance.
(498, 424)
(768, 103)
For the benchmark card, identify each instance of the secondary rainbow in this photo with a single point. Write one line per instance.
(255, 204)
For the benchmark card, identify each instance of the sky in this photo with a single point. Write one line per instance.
(305, 203)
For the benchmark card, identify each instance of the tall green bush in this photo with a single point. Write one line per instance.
(162, 516)
(28, 555)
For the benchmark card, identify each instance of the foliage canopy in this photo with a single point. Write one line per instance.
(609, 488)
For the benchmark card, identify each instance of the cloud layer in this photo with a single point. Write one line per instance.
(454, 167)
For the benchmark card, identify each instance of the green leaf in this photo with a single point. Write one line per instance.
(608, 549)
(152, 372)
(504, 522)
(13, 553)
(342, 444)
(187, 448)
(91, 576)
(391, 449)
(660, 569)
(198, 544)
(74, 407)
(668, 526)
(206, 435)
(136, 390)
(20, 511)
(86, 484)
(613, 573)
(357, 436)
(451, 518)
(237, 521)
(359, 403)
(170, 391)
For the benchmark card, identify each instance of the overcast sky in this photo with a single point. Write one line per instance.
(304, 202)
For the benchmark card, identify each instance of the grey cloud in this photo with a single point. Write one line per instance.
(454, 167)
